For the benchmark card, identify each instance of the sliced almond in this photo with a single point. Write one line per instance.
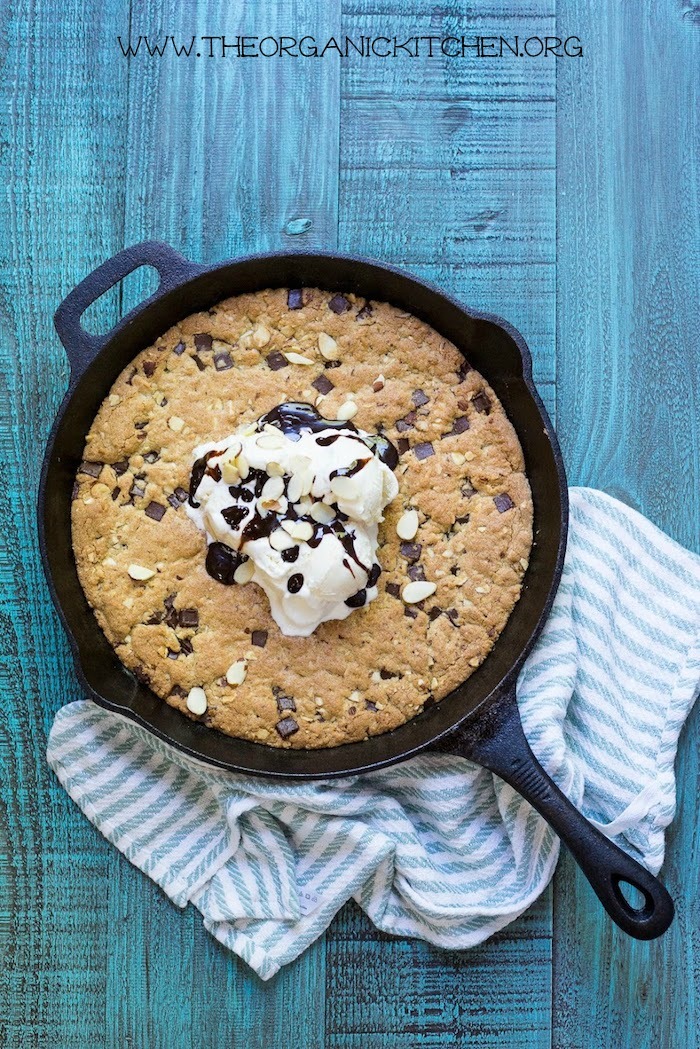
(196, 700)
(407, 524)
(347, 410)
(176, 423)
(322, 513)
(328, 347)
(281, 540)
(302, 530)
(236, 673)
(140, 573)
(457, 458)
(272, 489)
(114, 399)
(295, 487)
(229, 473)
(345, 487)
(244, 573)
(270, 440)
(297, 358)
(378, 383)
(274, 469)
(242, 466)
(110, 562)
(261, 336)
(417, 591)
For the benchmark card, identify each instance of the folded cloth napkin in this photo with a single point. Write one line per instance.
(437, 847)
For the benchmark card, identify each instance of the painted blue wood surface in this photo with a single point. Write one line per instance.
(563, 198)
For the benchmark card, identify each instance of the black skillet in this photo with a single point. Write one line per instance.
(480, 719)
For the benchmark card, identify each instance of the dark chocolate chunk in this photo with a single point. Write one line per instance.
(464, 370)
(460, 424)
(503, 502)
(385, 674)
(482, 403)
(410, 611)
(434, 613)
(202, 342)
(394, 589)
(115, 493)
(76, 490)
(419, 398)
(407, 423)
(332, 364)
(177, 691)
(468, 491)
(374, 574)
(130, 380)
(155, 511)
(199, 362)
(155, 618)
(411, 551)
(295, 299)
(151, 457)
(174, 501)
(424, 450)
(181, 493)
(120, 468)
(287, 727)
(222, 361)
(369, 705)
(179, 349)
(259, 638)
(366, 311)
(137, 491)
(283, 701)
(416, 573)
(295, 583)
(358, 600)
(149, 368)
(403, 444)
(452, 615)
(276, 360)
(186, 646)
(323, 384)
(172, 654)
(91, 469)
(462, 520)
(141, 675)
(339, 304)
(141, 425)
(189, 617)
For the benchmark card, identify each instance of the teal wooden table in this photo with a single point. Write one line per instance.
(560, 193)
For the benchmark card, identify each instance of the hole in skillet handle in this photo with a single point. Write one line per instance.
(494, 738)
(80, 345)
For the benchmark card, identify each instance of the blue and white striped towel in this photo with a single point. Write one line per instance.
(436, 848)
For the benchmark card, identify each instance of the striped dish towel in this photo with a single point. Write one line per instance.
(437, 847)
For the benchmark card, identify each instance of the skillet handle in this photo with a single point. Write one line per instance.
(81, 347)
(503, 749)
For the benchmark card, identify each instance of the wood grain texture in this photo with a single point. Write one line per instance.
(628, 381)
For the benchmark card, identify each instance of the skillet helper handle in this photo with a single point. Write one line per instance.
(506, 752)
(81, 347)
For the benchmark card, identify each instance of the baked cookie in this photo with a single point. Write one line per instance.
(214, 651)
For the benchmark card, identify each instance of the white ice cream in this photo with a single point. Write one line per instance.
(291, 489)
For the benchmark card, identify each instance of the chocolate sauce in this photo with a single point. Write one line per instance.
(295, 583)
(290, 554)
(357, 600)
(233, 515)
(198, 471)
(222, 563)
(349, 471)
(295, 417)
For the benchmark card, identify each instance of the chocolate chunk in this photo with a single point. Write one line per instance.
(141, 675)
(179, 349)
(115, 493)
(120, 468)
(358, 600)
(174, 501)
(222, 362)
(155, 511)
(419, 398)
(155, 618)
(407, 423)
(259, 638)
(394, 589)
(181, 494)
(411, 551)
(385, 674)
(76, 490)
(177, 691)
(452, 615)
(424, 450)
(130, 380)
(403, 444)
(186, 646)
(283, 701)
(482, 403)
(141, 425)
(323, 384)
(332, 364)
(137, 491)
(416, 572)
(459, 426)
(468, 491)
(91, 469)
(172, 654)
(365, 312)
(287, 727)
(295, 583)
(410, 611)
(339, 304)
(464, 370)
(199, 362)
(462, 520)
(374, 574)
(151, 457)
(352, 710)
(430, 702)
(434, 613)
(276, 360)
(503, 502)
(202, 342)
(369, 705)
(454, 570)
(295, 299)
(149, 368)
(189, 617)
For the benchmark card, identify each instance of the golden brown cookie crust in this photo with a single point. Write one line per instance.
(461, 468)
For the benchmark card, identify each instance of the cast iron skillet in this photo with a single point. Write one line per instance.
(480, 719)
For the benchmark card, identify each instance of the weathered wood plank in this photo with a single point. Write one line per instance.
(628, 376)
(63, 206)
(417, 190)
